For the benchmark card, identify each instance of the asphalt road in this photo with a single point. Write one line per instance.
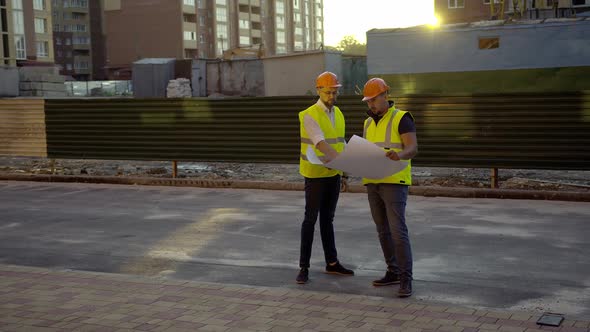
(483, 253)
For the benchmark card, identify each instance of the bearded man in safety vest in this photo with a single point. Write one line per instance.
(322, 129)
(394, 131)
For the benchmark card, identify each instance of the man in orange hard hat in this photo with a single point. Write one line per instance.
(394, 131)
(321, 129)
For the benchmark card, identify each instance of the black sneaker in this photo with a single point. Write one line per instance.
(338, 269)
(390, 278)
(405, 288)
(303, 276)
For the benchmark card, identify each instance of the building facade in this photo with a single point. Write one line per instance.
(71, 36)
(26, 36)
(191, 29)
(460, 11)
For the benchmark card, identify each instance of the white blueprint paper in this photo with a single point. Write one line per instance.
(361, 158)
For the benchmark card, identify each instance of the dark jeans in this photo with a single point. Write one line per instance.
(388, 207)
(321, 197)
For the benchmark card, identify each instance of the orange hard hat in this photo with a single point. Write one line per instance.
(374, 87)
(327, 80)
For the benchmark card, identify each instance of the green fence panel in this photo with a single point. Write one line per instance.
(537, 131)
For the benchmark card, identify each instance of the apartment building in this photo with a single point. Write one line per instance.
(458, 11)
(26, 36)
(71, 36)
(190, 29)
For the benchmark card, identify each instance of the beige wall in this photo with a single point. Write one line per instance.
(143, 29)
(294, 75)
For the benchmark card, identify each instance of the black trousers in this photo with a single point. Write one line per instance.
(321, 197)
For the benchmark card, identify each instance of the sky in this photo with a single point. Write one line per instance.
(354, 17)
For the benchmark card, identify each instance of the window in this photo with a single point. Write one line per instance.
(76, 3)
(19, 43)
(189, 2)
(56, 27)
(244, 40)
(318, 22)
(244, 24)
(221, 14)
(489, 43)
(42, 47)
(57, 41)
(40, 25)
(17, 4)
(69, 66)
(81, 40)
(280, 22)
(281, 49)
(222, 30)
(456, 3)
(18, 22)
(81, 65)
(280, 7)
(190, 35)
(221, 2)
(281, 37)
(39, 4)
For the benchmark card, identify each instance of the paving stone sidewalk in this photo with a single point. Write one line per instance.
(36, 299)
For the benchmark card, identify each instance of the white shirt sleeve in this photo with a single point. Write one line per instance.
(313, 129)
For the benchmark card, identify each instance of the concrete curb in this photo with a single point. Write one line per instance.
(426, 191)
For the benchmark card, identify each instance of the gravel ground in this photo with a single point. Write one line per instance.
(426, 176)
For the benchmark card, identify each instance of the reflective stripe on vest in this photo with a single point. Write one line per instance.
(327, 140)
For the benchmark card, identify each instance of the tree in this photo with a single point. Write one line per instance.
(350, 46)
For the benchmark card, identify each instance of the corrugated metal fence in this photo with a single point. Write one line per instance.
(22, 127)
(543, 131)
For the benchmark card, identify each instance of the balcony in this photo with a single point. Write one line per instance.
(82, 71)
(190, 44)
(189, 26)
(186, 9)
(81, 46)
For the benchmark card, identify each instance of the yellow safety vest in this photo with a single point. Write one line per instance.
(333, 135)
(386, 135)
